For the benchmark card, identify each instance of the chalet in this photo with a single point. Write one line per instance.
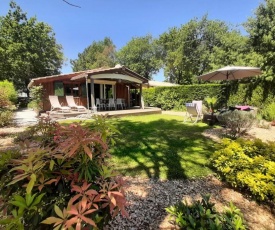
(87, 85)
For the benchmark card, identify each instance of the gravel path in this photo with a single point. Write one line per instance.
(148, 199)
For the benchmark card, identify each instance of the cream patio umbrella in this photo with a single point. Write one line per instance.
(231, 73)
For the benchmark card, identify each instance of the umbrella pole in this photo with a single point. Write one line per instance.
(226, 89)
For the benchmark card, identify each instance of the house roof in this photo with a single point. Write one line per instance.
(158, 83)
(118, 69)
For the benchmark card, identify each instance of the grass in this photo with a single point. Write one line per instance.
(161, 146)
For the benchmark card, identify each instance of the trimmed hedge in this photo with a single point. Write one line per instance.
(259, 96)
(175, 97)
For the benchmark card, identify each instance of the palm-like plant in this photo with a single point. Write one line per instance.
(211, 103)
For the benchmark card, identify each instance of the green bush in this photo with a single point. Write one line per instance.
(60, 180)
(8, 97)
(175, 97)
(8, 92)
(268, 112)
(6, 117)
(203, 215)
(32, 105)
(238, 122)
(6, 157)
(36, 102)
(248, 165)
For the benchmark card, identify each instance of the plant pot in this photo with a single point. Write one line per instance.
(211, 122)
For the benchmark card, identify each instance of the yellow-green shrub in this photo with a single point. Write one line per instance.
(248, 165)
(268, 112)
(8, 93)
(8, 97)
(6, 117)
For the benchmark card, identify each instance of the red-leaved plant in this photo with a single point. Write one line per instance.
(79, 189)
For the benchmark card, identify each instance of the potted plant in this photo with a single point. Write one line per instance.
(211, 103)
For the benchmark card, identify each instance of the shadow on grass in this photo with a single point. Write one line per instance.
(161, 148)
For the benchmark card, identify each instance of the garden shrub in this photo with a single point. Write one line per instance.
(36, 102)
(107, 130)
(5, 160)
(6, 157)
(5, 102)
(8, 92)
(8, 97)
(62, 183)
(248, 165)
(6, 117)
(237, 122)
(263, 124)
(203, 215)
(268, 112)
(43, 132)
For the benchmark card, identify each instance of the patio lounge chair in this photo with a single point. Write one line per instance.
(71, 103)
(193, 110)
(55, 105)
(199, 105)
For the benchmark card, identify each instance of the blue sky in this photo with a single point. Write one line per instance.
(121, 20)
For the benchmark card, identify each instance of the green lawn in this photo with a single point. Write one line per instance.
(161, 146)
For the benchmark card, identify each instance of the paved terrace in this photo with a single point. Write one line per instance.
(110, 113)
(26, 117)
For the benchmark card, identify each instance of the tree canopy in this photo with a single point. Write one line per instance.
(261, 29)
(198, 47)
(28, 48)
(141, 55)
(98, 54)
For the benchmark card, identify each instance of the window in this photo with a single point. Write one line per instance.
(58, 88)
(72, 89)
